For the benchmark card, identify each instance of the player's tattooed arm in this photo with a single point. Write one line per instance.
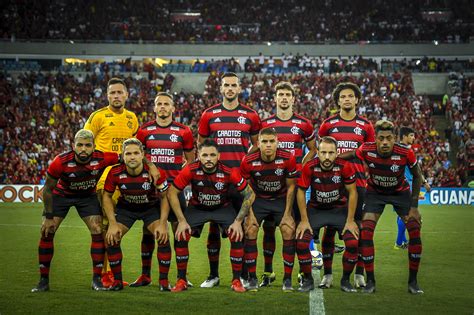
(248, 199)
(290, 195)
(154, 172)
(48, 196)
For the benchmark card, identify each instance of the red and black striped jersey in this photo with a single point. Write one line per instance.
(350, 134)
(77, 179)
(165, 146)
(136, 191)
(387, 174)
(268, 179)
(292, 133)
(209, 191)
(327, 187)
(231, 130)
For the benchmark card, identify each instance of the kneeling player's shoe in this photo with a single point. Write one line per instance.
(97, 284)
(181, 285)
(267, 278)
(116, 286)
(107, 279)
(210, 282)
(326, 283)
(252, 285)
(359, 280)
(165, 286)
(287, 287)
(43, 286)
(369, 287)
(306, 285)
(237, 286)
(339, 248)
(346, 286)
(413, 288)
(142, 281)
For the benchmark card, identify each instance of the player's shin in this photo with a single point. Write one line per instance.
(327, 249)
(367, 245)
(414, 248)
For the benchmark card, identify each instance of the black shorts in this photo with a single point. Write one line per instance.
(360, 203)
(269, 209)
(128, 218)
(236, 198)
(334, 218)
(85, 206)
(196, 218)
(375, 203)
(182, 203)
(296, 215)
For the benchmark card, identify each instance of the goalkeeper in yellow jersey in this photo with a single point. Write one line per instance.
(111, 125)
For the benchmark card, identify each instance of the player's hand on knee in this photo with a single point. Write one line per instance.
(414, 214)
(114, 234)
(302, 228)
(161, 233)
(235, 231)
(288, 221)
(182, 231)
(48, 227)
(352, 227)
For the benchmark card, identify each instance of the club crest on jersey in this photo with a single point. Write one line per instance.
(146, 186)
(71, 164)
(395, 168)
(396, 157)
(94, 163)
(219, 185)
(296, 121)
(129, 125)
(360, 122)
(333, 121)
(199, 173)
(372, 154)
(215, 111)
(122, 176)
(174, 138)
(174, 128)
(279, 172)
(358, 131)
(336, 179)
(220, 175)
(241, 120)
(295, 130)
(257, 163)
(151, 128)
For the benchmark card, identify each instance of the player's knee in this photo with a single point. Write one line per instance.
(251, 231)
(95, 228)
(287, 232)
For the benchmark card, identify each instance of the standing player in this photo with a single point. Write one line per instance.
(70, 181)
(138, 200)
(293, 131)
(272, 173)
(387, 184)
(166, 142)
(111, 125)
(234, 127)
(331, 179)
(407, 137)
(351, 131)
(210, 182)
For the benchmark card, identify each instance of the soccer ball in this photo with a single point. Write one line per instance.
(317, 258)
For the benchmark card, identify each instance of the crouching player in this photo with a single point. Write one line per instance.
(139, 200)
(71, 181)
(210, 180)
(329, 178)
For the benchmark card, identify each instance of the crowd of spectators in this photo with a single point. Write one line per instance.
(43, 110)
(238, 21)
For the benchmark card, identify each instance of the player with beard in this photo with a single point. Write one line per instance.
(407, 137)
(386, 162)
(168, 144)
(234, 127)
(71, 181)
(293, 131)
(210, 182)
(351, 131)
(139, 200)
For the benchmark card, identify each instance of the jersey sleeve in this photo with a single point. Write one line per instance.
(162, 183)
(183, 179)
(411, 158)
(323, 130)
(111, 158)
(93, 123)
(141, 135)
(110, 182)
(370, 137)
(305, 179)
(309, 132)
(55, 169)
(188, 140)
(348, 173)
(203, 127)
(237, 179)
(291, 167)
(360, 152)
(244, 168)
(256, 124)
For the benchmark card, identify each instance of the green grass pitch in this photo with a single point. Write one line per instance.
(446, 273)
